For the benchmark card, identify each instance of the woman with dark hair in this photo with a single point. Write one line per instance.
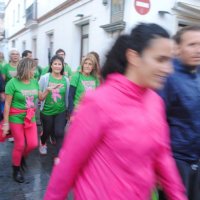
(67, 68)
(19, 114)
(54, 87)
(117, 146)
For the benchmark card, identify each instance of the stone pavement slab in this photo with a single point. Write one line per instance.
(36, 177)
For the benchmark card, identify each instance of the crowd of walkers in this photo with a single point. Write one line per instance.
(27, 85)
(132, 124)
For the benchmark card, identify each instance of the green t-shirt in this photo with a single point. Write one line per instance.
(67, 70)
(55, 100)
(82, 83)
(37, 72)
(9, 71)
(1, 66)
(78, 68)
(24, 97)
(45, 70)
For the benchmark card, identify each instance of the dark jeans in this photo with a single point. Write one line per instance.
(1, 109)
(190, 173)
(56, 124)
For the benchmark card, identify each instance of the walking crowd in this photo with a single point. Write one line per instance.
(126, 130)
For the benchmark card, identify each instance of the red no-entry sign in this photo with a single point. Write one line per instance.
(142, 6)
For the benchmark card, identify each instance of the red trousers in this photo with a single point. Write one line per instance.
(25, 140)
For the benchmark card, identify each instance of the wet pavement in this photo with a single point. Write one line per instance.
(36, 176)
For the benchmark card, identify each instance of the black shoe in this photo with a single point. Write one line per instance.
(17, 174)
(23, 164)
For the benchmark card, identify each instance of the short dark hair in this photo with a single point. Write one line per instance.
(139, 39)
(60, 51)
(178, 36)
(25, 53)
(56, 57)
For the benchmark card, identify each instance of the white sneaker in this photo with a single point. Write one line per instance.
(11, 139)
(43, 149)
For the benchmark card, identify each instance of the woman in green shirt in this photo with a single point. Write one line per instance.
(10, 69)
(83, 81)
(67, 68)
(54, 87)
(19, 114)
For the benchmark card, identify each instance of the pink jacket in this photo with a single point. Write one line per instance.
(117, 147)
(30, 113)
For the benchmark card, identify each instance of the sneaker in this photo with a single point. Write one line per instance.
(11, 139)
(43, 150)
(52, 139)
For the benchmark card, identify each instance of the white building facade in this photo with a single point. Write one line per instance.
(80, 26)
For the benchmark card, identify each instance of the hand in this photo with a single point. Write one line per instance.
(2, 96)
(5, 129)
(71, 118)
(50, 88)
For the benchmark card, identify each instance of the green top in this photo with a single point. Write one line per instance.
(82, 83)
(78, 68)
(67, 70)
(37, 72)
(45, 70)
(24, 97)
(9, 71)
(1, 66)
(55, 100)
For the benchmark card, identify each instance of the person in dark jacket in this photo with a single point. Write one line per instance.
(181, 95)
(1, 96)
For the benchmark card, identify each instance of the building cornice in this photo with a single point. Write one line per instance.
(49, 14)
(18, 32)
(57, 9)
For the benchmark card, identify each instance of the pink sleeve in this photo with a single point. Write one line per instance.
(83, 135)
(166, 168)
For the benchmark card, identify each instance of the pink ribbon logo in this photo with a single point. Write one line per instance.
(56, 95)
(30, 102)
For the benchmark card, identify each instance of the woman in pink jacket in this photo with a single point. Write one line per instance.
(117, 146)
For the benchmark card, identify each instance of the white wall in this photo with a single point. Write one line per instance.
(66, 26)
(12, 21)
(167, 20)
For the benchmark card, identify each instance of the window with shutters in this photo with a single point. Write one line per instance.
(117, 10)
(84, 40)
(117, 16)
